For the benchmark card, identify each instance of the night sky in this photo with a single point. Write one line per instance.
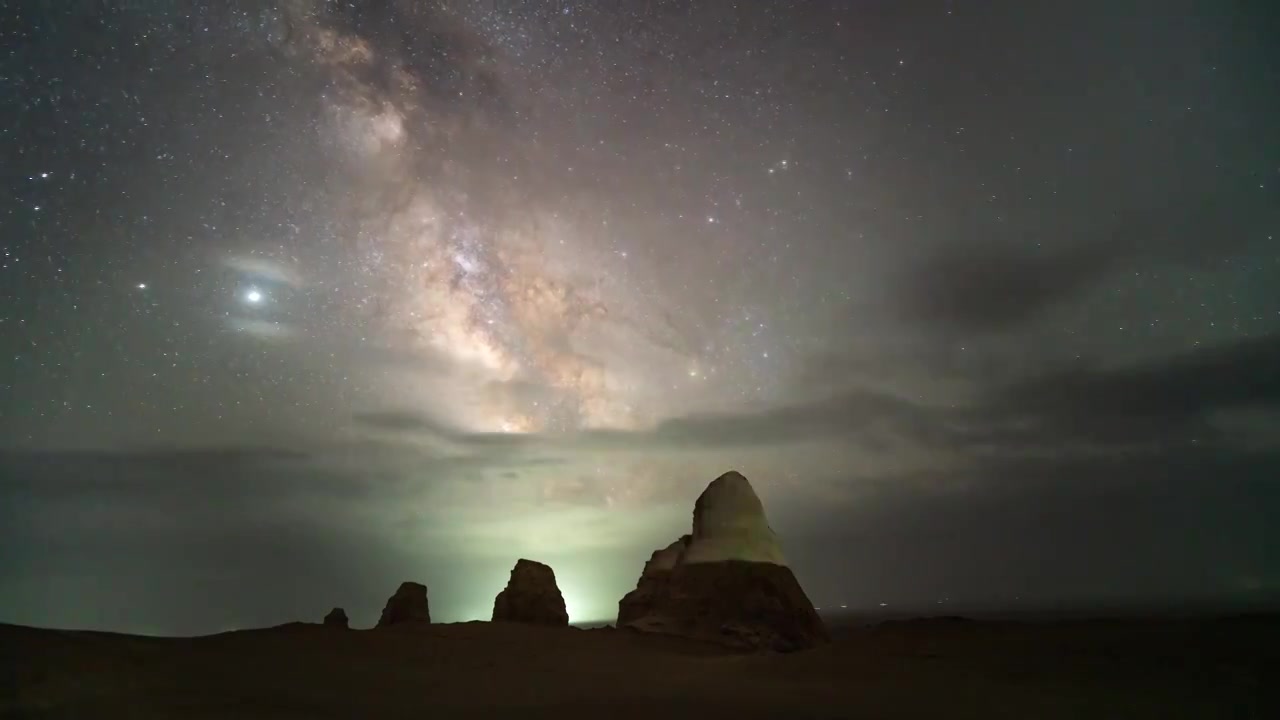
(299, 300)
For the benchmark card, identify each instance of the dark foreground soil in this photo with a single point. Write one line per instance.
(1226, 668)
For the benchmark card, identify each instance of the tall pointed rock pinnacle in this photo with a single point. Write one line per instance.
(727, 582)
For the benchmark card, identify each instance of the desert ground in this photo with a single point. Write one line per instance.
(952, 668)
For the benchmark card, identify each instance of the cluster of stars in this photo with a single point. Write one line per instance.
(634, 264)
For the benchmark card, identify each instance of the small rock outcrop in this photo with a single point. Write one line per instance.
(337, 617)
(727, 582)
(408, 605)
(531, 596)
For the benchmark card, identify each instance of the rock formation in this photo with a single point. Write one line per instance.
(408, 605)
(531, 596)
(337, 617)
(727, 582)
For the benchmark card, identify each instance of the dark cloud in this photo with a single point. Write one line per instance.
(973, 281)
(398, 420)
(1240, 374)
(845, 416)
(964, 287)
(1050, 533)
(1167, 401)
(1170, 399)
(842, 416)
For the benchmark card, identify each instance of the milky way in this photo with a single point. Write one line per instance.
(528, 297)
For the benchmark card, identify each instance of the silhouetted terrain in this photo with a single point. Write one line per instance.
(946, 667)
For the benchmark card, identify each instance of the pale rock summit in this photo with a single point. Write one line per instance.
(727, 582)
(729, 524)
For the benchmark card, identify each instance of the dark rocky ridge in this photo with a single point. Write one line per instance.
(337, 617)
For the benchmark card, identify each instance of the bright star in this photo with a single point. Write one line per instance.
(253, 296)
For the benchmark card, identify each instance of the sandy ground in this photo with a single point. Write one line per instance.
(939, 668)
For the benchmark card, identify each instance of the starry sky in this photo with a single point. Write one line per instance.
(302, 299)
